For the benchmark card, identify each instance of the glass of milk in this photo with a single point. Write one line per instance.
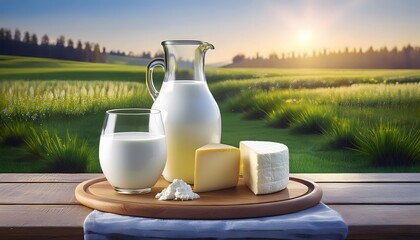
(132, 149)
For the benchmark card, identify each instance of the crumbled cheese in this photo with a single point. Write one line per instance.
(177, 190)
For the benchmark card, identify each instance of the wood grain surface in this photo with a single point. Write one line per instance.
(37, 193)
(47, 178)
(371, 193)
(333, 193)
(238, 202)
(381, 212)
(42, 221)
(361, 177)
(315, 177)
(381, 221)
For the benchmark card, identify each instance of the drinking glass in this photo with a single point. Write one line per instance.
(132, 149)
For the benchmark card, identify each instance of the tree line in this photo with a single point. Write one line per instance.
(407, 57)
(29, 45)
(145, 55)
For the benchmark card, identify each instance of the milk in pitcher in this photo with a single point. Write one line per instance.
(191, 119)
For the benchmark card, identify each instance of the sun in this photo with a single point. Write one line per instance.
(304, 36)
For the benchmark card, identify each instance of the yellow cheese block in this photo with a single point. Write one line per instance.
(216, 167)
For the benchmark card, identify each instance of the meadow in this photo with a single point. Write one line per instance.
(51, 113)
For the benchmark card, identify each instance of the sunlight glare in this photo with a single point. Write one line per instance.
(305, 36)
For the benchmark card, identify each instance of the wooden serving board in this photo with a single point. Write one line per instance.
(237, 202)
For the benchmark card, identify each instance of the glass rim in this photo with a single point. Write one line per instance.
(133, 111)
(183, 42)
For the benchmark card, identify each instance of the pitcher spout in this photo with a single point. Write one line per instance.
(184, 59)
(206, 46)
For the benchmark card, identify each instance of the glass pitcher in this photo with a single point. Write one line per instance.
(190, 114)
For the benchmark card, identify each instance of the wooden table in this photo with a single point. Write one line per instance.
(375, 206)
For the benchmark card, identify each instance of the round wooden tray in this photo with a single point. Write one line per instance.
(237, 202)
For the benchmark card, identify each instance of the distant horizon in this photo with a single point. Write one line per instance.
(256, 54)
(235, 27)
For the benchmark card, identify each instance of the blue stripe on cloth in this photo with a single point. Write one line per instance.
(318, 222)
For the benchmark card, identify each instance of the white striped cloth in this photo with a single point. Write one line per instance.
(318, 222)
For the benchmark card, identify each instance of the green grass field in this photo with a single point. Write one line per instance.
(306, 109)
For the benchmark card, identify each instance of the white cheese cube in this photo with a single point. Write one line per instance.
(216, 167)
(265, 166)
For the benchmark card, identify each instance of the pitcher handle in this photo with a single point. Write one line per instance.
(156, 62)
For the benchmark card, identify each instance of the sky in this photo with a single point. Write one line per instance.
(232, 26)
